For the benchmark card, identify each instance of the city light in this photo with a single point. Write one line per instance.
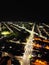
(5, 33)
(40, 62)
(34, 49)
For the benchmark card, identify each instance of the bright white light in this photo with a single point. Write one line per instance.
(10, 47)
(17, 41)
(5, 32)
(40, 26)
(39, 55)
(3, 47)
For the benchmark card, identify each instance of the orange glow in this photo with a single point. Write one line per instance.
(37, 45)
(46, 41)
(37, 39)
(47, 47)
(41, 40)
(9, 62)
(39, 62)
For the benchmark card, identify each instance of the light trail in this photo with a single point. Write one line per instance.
(8, 27)
(39, 30)
(24, 28)
(28, 48)
(40, 26)
(43, 37)
(46, 32)
(30, 31)
(19, 26)
(40, 34)
(17, 42)
(15, 28)
(46, 25)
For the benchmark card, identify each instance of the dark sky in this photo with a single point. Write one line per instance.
(21, 15)
(26, 11)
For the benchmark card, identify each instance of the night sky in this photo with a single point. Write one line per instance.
(16, 15)
(25, 11)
